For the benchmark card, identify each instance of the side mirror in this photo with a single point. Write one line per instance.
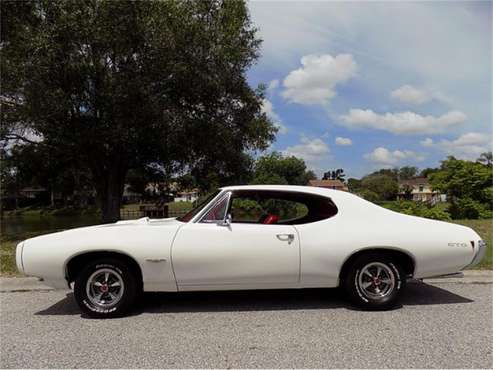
(227, 221)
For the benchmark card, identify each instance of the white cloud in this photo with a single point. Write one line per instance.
(311, 150)
(268, 109)
(402, 123)
(466, 146)
(411, 95)
(273, 85)
(449, 43)
(383, 157)
(428, 142)
(315, 82)
(427, 45)
(344, 141)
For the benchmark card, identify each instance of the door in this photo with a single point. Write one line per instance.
(238, 254)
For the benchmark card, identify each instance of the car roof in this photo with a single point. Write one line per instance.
(295, 188)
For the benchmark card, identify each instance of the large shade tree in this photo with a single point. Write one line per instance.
(117, 85)
(276, 168)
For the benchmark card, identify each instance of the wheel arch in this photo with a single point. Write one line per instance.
(405, 259)
(76, 263)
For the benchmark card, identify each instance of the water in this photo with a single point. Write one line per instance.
(20, 227)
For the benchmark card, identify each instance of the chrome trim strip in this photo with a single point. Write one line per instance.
(212, 205)
(206, 208)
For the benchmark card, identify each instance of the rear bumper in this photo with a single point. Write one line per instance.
(479, 254)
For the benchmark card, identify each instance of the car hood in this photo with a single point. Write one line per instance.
(115, 230)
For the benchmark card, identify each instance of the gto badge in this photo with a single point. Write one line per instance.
(457, 244)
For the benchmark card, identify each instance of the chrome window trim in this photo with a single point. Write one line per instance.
(220, 197)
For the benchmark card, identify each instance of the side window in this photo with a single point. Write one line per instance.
(283, 210)
(245, 210)
(262, 207)
(218, 211)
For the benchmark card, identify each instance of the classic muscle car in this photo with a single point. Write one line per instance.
(253, 237)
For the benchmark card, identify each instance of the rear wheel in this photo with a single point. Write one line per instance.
(105, 288)
(374, 282)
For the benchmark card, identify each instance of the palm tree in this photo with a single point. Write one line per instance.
(486, 158)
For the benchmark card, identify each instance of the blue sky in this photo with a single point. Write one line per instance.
(368, 85)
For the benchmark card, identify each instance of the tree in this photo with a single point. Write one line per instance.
(486, 158)
(41, 166)
(390, 172)
(334, 175)
(115, 86)
(426, 172)
(278, 169)
(354, 185)
(463, 179)
(383, 185)
(407, 172)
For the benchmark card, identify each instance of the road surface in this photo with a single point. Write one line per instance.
(442, 325)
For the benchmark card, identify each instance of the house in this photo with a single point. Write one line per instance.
(187, 196)
(418, 189)
(130, 196)
(32, 192)
(329, 184)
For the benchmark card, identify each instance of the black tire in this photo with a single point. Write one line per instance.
(362, 297)
(122, 276)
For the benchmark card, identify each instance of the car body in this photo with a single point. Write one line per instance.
(231, 242)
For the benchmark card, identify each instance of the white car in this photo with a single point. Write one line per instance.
(253, 237)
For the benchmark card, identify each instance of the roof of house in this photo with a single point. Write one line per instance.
(414, 181)
(33, 189)
(328, 183)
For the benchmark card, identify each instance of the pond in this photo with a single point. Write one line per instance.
(20, 227)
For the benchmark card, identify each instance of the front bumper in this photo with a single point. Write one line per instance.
(479, 254)
(18, 257)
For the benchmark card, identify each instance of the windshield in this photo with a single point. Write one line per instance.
(201, 204)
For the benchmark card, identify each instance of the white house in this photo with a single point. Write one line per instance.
(187, 196)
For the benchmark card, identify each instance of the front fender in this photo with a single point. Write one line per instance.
(47, 256)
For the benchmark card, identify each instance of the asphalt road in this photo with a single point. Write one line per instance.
(441, 326)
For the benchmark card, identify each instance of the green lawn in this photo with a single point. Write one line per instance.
(485, 229)
(7, 245)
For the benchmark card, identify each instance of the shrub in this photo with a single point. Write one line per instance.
(419, 209)
(368, 195)
(466, 208)
(437, 213)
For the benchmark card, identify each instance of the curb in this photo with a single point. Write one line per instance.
(22, 284)
(33, 284)
(470, 277)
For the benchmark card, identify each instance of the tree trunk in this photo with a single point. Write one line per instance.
(110, 185)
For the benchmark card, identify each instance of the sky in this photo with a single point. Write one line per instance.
(369, 85)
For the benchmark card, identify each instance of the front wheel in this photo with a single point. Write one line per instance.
(105, 288)
(374, 282)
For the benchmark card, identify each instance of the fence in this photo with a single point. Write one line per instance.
(151, 212)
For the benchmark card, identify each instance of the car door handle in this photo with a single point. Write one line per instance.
(286, 237)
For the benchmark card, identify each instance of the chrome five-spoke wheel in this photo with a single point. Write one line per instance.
(105, 288)
(376, 280)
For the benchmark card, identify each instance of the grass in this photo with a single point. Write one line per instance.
(7, 244)
(485, 229)
(7, 258)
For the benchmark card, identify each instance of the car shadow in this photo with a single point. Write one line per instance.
(260, 300)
